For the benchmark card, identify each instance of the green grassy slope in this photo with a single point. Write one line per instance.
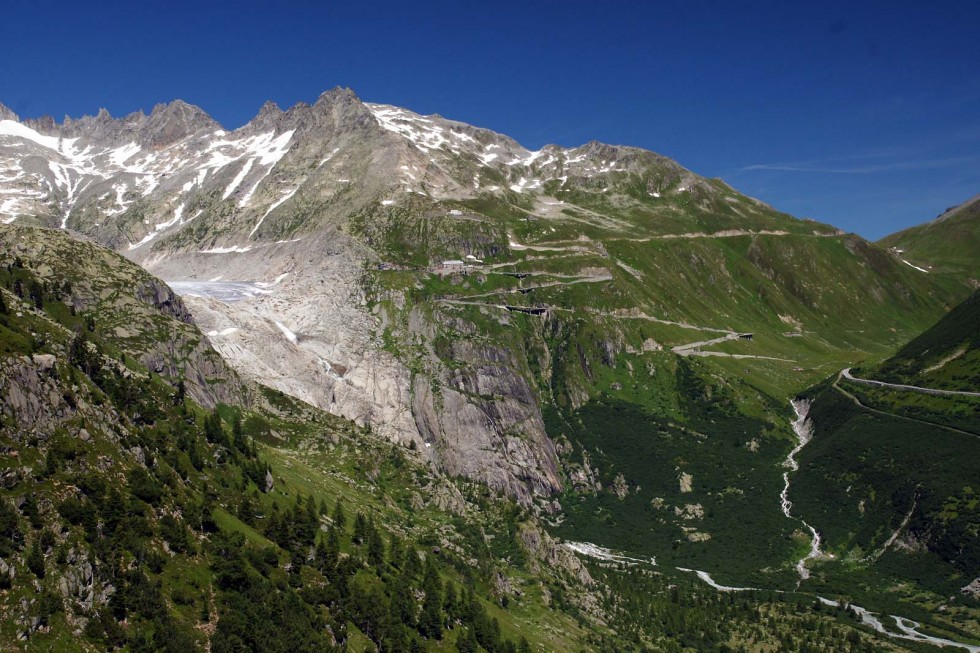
(946, 246)
(947, 356)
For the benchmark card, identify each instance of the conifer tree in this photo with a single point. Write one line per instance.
(339, 518)
(35, 561)
(430, 621)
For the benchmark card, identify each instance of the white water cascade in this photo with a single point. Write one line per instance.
(804, 431)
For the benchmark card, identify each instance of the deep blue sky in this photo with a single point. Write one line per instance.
(862, 114)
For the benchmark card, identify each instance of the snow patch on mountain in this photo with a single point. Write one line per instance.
(63, 146)
(272, 208)
(290, 336)
(912, 265)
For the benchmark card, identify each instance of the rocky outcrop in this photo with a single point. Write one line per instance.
(79, 584)
(38, 399)
(972, 588)
(6, 113)
(542, 549)
(620, 488)
(685, 482)
(33, 398)
(138, 313)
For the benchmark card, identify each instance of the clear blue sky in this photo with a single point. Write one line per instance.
(862, 114)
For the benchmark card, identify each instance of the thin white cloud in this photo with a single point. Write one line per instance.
(898, 166)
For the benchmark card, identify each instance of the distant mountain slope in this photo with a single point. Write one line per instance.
(947, 356)
(948, 247)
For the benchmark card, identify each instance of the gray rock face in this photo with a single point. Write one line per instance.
(32, 399)
(166, 124)
(79, 584)
(485, 424)
(169, 123)
(137, 307)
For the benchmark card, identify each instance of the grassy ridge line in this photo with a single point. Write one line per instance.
(946, 246)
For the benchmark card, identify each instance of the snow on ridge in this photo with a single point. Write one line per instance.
(159, 227)
(267, 148)
(264, 284)
(914, 266)
(196, 181)
(74, 170)
(526, 184)
(328, 157)
(271, 150)
(238, 179)
(121, 155)
(64, 146)
(234, 249)
(7, 207)
(412, 126)
(290, 336)
(272, 208)
(223, 332)
(532, 157)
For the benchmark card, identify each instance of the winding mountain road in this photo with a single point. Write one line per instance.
(913, 388)
(858, 403)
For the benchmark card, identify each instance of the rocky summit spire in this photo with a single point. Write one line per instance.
(269, 115)
(6, 113)
(171, 122)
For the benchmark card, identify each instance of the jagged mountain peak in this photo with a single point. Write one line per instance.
(166, 124)
(6, 113)
(338, 94)
(101, 126)
(171, 122)
(268, 117)
(269, 108)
